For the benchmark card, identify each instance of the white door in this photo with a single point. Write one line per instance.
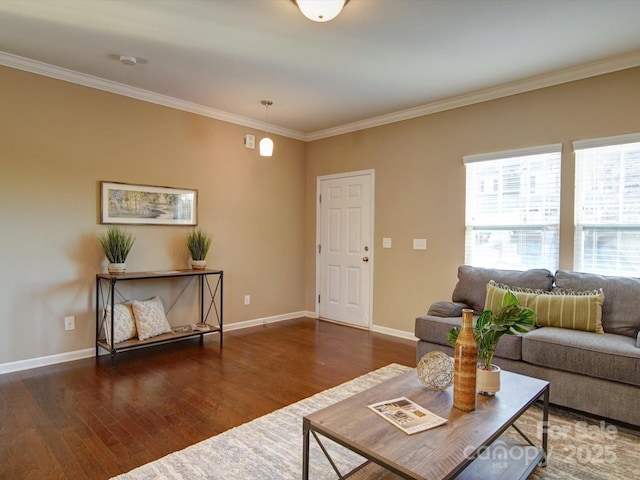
(345, 250)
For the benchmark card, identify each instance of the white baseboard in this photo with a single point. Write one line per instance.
(90, 352)
(48, 360)
(266, 320)
(393, 332)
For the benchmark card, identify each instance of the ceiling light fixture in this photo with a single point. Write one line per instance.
(320, 10)
(266, 144)
(128, 60)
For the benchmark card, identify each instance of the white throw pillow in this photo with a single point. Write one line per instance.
(150, 318)
(124, 326)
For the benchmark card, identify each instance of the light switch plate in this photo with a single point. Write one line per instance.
(249, 140)
(419, 243)
(386, 243)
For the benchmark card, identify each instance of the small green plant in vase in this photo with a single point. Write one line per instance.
(199, 243)
(116, 244)
(511, 318)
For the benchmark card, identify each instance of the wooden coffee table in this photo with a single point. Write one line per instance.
(468, 446)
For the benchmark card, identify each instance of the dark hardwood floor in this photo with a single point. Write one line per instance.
(88, 419)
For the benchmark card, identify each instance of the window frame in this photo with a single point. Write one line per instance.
(550, 250)
(598, 231)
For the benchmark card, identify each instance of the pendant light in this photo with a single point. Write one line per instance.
(320, 10)
(266, 144)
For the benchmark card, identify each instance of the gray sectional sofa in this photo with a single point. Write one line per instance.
(597, 373)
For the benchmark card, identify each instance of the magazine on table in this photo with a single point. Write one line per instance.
(200, 327)
(192, 327)
(407, 415)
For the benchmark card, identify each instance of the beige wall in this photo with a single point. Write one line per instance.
(420, 180)
(58, 140)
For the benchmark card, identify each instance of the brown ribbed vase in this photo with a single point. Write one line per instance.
(465, 360)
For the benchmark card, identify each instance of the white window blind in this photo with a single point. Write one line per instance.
(513, 208)
(607, 206)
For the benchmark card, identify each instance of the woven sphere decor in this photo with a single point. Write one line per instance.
(435, 370)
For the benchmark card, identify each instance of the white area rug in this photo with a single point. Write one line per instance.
(270, 447)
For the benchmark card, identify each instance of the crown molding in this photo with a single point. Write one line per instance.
(601, 67)
(91, 81)
(580, 72)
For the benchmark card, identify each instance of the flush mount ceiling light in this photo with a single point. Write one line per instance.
(128, 60)
(320, 10)
(266, 144)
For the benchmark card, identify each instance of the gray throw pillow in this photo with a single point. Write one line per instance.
(472, 283)
(620, 313)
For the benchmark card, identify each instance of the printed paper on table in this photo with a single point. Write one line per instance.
(407, 415)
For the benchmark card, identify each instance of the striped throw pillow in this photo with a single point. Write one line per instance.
(562, 309)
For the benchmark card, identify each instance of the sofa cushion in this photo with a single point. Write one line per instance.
(574, 310)
(434, 330)
(446, 309)
(620, 313)
(609, 356)
(472, 281)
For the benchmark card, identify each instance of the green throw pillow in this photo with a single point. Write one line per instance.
(574, 310)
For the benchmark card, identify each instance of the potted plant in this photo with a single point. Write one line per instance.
(116, 244)
(198, 243)
(511, 318)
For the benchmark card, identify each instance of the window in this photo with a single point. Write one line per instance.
(513, 208)
(607, 205)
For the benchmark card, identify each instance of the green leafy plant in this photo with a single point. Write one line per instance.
(198, 243)
(511, 319)
(116, 244)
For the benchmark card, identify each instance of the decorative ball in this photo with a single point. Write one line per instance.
(435, 370)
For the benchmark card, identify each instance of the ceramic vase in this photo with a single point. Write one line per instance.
(465, 361)
(198, 264)
(116, 268)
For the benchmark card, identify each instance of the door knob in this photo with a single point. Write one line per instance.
(365, 259)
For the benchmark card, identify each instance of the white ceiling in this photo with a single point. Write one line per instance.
(379, 61)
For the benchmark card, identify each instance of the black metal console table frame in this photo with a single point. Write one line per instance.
(106, 284)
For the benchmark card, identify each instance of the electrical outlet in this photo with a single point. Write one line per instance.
(247, 299)
(69, 323)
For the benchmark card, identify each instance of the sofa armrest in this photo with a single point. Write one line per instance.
(447, 309)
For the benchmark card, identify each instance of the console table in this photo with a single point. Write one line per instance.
(106, 292)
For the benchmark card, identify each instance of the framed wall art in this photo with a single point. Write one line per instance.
(146, 204)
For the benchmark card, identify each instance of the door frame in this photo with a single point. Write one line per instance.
(372, 176)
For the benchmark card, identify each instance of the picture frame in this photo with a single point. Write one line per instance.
(124, 203)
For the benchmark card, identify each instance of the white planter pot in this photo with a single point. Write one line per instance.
(117, 268)
(198, 264)
(488, 381)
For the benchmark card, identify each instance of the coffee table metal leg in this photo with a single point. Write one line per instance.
(307, 431)
(305, 449)
(545, 426)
